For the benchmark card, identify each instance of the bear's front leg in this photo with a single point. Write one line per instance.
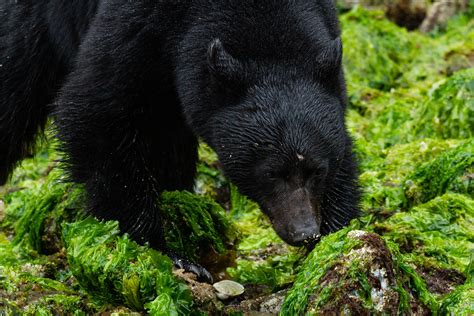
(121, 126)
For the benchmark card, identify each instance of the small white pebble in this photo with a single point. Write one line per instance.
(423, 146)
(356, 234)
(227, 288)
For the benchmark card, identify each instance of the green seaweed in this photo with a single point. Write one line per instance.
(113, 269)
(36, 167)
(440, 229)
(449, 111)
(383, 182)
(401, 89)
(40, 212)
(37, 213)
(275, 271)
(194, 225)
(34, 286)
(356, 271)
(368, 36)
(459, 302)
(449, 172)
(209, 180)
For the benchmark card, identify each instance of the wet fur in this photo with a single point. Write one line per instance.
(131, 84)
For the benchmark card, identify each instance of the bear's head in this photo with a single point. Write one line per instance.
(279, 132)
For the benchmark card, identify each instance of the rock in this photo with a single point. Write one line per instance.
(263, 305)
(440, 12)
(226, 289)
(355, 272)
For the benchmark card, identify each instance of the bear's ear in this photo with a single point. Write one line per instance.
(222, 65)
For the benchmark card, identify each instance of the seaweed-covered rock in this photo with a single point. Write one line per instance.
(449, 112)
(383, 180)
(197, 227)
(441, 229)
(459, 302)
(113, 269)
(37, 285)
(398, 93)
(362, 41)
(413, 173)
(36, 213)
(450, 172)
(356, 273)
(43, 217)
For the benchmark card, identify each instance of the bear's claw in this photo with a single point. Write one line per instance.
(202, 274)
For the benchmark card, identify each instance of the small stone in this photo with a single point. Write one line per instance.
(227, 288)
(423, 146)
(356, 234)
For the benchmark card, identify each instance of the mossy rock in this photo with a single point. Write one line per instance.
(354, 272)
(450, 172)
(449, 112)
(459, 302)
(196, 227)
(440, 230)
(113, 269)
(44, 219)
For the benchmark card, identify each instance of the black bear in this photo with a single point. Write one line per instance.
(132, 84)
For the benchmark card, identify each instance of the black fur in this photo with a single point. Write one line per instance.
(134, 83)
(36, 50)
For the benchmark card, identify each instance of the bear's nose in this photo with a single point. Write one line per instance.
(305, 236)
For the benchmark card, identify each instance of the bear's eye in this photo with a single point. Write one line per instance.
(270, 175)
(314, 178)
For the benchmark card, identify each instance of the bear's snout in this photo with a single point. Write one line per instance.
(307, 235)
(303, 228)
(296, 218)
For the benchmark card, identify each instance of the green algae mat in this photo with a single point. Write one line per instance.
(411, 114)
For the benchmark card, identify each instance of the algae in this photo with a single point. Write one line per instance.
(354, 271)
(195, 226)
(43, 220)
(440, 229)
(113, 269)
(449, 111)
(209, 180)
(450, 172)
(459, 302)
